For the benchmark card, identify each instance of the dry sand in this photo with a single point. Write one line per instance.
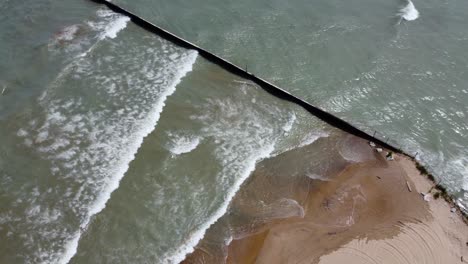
(365, 214)
(440, 238)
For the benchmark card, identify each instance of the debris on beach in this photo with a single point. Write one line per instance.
(372, 144)
(426, 196)
(379, 150)
(389, 155)
(409, 187)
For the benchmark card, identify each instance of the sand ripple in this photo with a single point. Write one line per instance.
(415, 244)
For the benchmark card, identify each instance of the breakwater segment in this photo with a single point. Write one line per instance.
(267, 86)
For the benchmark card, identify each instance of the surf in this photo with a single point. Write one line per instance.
(91, 146)
(409, 12)
(188, 246)
(147, 125)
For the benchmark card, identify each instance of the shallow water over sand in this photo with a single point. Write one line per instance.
(402, 77)
(118, 146)
(283, 216)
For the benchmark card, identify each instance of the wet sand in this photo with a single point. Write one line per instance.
(440, 238)
(370, 212)
(365, 215)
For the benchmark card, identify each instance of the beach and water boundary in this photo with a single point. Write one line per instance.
(278, 92)
(267, 86)
(357, 64)
(373, 213)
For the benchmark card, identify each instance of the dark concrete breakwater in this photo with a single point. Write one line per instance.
(267, 86)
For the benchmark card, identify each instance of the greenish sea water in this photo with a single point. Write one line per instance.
(118, 146)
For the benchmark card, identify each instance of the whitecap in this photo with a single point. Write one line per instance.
(189, 245)
(311, 138)
(180, 144)
(460, 165)
(146, 126)
(91, 146)
(115, 27)
(22, 133)
(67, 34)
(289, 124)
(244, 134)
(409, 12)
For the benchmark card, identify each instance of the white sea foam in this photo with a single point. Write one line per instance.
(409, 12)
(180, 144)
(147, 126)
(108, 25)
(115, 27)
(79, 39)
(288, 126)
(22, 133)
(451, 172)
(189, 245)
(90, 138)
(244, 133)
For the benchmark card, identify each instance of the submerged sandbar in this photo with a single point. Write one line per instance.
(366, 210)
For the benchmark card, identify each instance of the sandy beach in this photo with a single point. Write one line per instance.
(371, 211)
(439, 237)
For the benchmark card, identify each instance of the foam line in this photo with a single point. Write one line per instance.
(409, 12)
(267, 86)
(113, 183)
(113, 29)
(189, 245)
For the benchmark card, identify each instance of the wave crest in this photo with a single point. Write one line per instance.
(409, 12)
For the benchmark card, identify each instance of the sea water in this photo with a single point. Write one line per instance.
(117, 146)
(393, 68)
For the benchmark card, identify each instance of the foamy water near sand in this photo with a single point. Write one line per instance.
(409, 12)
(362, 80)
(116, 140)
(439, 239)
(369, 212)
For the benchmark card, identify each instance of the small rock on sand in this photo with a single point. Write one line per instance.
(426, 196)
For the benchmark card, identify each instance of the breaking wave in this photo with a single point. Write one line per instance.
(244, 134)
(409, 12)
(180, 144)
(95, 118)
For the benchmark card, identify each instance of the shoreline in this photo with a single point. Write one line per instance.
(436, 186)
(366, 210)
(441, 238)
